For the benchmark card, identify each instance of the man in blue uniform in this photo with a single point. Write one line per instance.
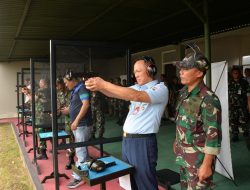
(148, 100)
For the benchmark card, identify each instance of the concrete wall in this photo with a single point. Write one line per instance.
(8, 98)
(230, 46)
(157, 55)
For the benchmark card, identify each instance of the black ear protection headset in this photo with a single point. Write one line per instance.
(150, 64)
(68, 75)
(59, 80)
(95, 165)
(198, 57)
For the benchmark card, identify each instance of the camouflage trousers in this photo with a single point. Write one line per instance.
(98, 124)
(100, 129)
(46, 121)
(238, 118)
(42, 143)
(189, 180)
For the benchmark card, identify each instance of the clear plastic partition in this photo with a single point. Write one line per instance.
(26, 87)
(84, 59)
(107, 62)
(41, 92)
(18, 89)
(78, 61)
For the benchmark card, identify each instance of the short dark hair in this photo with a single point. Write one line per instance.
(150, 64)
(70, 75)
(247, 69)
(147, 59)
(236, 69)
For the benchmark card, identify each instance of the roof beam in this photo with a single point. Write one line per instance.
(150, 24)
(31, 39)
(5, 59)
(80, 52)
(207, 40)
(158, 38)
(153, 23)
(194, 10)
(20, 26)
(174, 33)
(106, 11)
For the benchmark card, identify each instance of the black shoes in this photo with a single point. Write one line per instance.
(43, 155)
(246, 134)
(248, 143)
(68, 166)
(70, 162)
(235, 137)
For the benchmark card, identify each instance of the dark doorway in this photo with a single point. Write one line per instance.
(170, 71)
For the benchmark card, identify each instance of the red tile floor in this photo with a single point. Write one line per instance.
(46, 166)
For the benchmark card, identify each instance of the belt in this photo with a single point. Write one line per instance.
(130, 135)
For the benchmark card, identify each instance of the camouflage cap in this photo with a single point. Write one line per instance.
(193, 59)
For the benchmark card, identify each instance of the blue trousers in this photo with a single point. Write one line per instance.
(142, 153)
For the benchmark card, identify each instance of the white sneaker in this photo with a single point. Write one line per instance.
(74, 183)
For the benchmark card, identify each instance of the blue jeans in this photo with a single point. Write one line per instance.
(81, 134)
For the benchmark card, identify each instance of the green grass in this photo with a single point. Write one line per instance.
(13, 174)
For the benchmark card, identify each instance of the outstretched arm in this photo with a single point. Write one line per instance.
(115, 91)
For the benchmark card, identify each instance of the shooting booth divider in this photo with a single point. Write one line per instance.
(18, 86)
(26, 112)
(39, 69)
(83, 57)
(22, 109)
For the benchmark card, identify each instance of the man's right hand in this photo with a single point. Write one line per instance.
(74, 125)
(64, 111)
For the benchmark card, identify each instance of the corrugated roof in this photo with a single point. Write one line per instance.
(27, 26)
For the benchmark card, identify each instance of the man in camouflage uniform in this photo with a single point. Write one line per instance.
(122, 111)
(63, 101)
(115, 102)
(97, 114)
(238, 112)
(42, 108)
(198, 123)
(111, 103)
